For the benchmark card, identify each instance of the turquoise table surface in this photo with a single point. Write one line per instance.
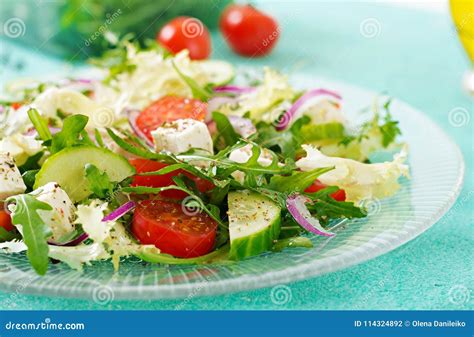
(413, 55)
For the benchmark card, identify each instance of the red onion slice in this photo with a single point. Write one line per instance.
(119, 212)
(73, 242)
(132, 120)
(286, 118)
(114, 215)
(297, 208)
(234, 89)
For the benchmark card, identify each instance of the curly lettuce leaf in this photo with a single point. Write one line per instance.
(359, 180)
(274, 89)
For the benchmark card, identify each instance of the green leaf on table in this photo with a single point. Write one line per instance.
(35, 231)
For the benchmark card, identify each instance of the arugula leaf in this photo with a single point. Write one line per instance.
(35, 230)
(198, 92)
(40, 124)
(29, 178)
(140, 152)
(99, 183)
(98, 138)
(149, 254)
(324, 207)
(389, 129)
(70, 134)
(8, 236)
(31, 163)
(288, 141)
(297, 182)
(225, 128)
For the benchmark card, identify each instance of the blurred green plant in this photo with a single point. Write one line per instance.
(77, 28)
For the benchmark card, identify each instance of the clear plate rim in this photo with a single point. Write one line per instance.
(271, 278)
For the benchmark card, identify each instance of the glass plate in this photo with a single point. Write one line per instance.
(437, 170)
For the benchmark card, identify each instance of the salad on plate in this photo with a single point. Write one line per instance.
(176, 161)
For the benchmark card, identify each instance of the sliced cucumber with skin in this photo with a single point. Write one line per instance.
(254, 223)
(219, 72)
(67, 168)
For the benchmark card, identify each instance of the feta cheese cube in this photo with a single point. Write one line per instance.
(20, 147)
(182, 135)
(60, 218)
(243, 154)
(11, 182)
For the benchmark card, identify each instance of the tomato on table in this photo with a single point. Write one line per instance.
(249, 31)
(6, 221)
(169, 109)
(172, 229)
(339, 195)
(146, 165)
(189, 33)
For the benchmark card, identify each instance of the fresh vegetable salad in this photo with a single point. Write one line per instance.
(168, 160)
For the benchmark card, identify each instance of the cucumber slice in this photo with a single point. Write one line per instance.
(254, 222)
(67, 169)
(219, 72)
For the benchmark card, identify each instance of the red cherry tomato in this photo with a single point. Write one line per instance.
(168, 109)
(6, 221)
(16, 105)
(189, 33)
(339, 195)
(248, 31)
(174, 231)
(146, 165)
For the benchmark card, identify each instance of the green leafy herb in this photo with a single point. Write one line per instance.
(324, 207)
(40, 124)
(8, 235)
(198, 92)
(99, 182)
(297, 182)
(226, 130)
(35, 231)
(71, 133)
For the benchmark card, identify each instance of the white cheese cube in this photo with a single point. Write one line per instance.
(11, 182)
(20, 147)
(60, 218)
(243, 154)
(182, 135)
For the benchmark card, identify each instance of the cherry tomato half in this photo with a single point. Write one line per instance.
(172, 229)
(146, 165)
(6, 221)
(339, 195)
(248, 31)
(168, 109)
(189, 33)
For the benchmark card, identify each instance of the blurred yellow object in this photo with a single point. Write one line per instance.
(463, 16)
